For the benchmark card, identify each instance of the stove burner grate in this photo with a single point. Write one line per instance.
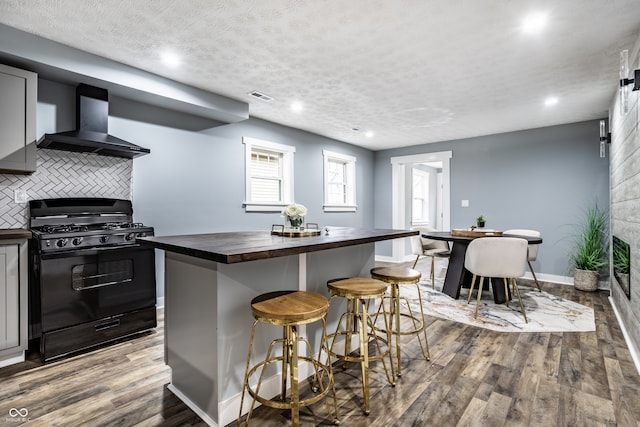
(64, 228)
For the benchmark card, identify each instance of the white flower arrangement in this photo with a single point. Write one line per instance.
(294, 211)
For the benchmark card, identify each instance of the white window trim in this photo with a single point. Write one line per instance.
(350, 161)
(287, 174)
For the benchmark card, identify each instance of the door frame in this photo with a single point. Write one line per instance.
(399, 165)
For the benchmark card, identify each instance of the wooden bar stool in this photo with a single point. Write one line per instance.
(397, 276)
(290, 309)
(359, 291)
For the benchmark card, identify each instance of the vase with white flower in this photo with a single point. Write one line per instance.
(294, 213)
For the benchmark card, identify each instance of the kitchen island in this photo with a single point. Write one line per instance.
(210, 280)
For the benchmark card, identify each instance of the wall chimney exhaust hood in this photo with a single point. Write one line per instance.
(91, 134)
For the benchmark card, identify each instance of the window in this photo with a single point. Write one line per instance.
(420, 197)
(339, 182)
(269, 175)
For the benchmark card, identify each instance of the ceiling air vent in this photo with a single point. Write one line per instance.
(261, 96)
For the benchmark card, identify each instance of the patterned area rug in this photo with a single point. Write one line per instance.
(545, 312)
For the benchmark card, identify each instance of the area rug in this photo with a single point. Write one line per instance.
(545, 312)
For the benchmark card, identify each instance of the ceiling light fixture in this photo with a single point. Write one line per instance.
(368, 134)
(534, 23)
(170, 59)
(550, 101)
(297, 107)
(625, 81)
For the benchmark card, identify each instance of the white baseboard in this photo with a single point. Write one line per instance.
(12, 360)
(199, 412)
(635, 354)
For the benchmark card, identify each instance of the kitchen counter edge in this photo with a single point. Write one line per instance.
(14, 233)
(234, 247)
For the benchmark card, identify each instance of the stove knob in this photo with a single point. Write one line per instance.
(104, 239)
(76, 241)
(130, 236)
(61, 243)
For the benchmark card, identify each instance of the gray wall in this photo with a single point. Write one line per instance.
(193, 180)
(540, 179)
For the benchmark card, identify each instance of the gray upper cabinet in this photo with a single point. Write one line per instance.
(18, 99)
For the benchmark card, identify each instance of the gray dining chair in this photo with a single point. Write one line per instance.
(532, 250)
(497, 257)
(421, 246)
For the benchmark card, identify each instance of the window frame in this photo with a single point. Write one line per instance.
(350, 176)
(287, 152)
(426, 177)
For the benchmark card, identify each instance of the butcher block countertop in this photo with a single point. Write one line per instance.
(14, 233)
(233, 247)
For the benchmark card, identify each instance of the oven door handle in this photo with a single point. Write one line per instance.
(99, 285)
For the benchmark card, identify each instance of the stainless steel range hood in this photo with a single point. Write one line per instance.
(91, 134)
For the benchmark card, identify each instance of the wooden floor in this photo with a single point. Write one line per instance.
(475, 377)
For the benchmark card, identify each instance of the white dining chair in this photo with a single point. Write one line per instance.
(497, 257)
(532, 253)
(421, 246)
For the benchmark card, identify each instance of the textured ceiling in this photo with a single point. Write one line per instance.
(411, 71)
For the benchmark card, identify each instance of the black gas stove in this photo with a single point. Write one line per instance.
(75, 223)
(90, 282)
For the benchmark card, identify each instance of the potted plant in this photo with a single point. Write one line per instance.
(590, 254)
(480, 221)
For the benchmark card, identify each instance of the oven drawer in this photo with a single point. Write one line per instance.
(80, 337)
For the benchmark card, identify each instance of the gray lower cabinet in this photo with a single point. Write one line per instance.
(18, 99)
(13, 301)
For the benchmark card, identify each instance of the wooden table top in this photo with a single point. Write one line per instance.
(233, 247)
(446, 235)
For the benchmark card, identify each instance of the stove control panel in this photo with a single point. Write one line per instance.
(55, 243)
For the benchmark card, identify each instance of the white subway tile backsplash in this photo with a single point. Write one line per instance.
(64, 174)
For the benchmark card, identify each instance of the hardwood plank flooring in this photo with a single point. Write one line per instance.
(476, 377)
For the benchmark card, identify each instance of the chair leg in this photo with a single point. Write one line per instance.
(515, 285)
(534, 275)
(415, 262)
(506, 291)
(473, 283)
(479, 295)
(433, 276)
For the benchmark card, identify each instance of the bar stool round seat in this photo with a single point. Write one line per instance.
(396, 276)
(358, 291)
(290, 309)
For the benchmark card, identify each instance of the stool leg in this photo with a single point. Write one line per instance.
(246, 376)
(364, 352)
(395, 315)
(324, 342)
(349, 328)
(392, 378)
(286, 344)
(295, 397)
(426, 354)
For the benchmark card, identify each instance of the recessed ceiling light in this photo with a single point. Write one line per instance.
(534, 23)
(552, 100)
(170, 59)
(297, 107)
(368, 134)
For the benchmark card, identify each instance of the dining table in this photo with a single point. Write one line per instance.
(457, 276)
